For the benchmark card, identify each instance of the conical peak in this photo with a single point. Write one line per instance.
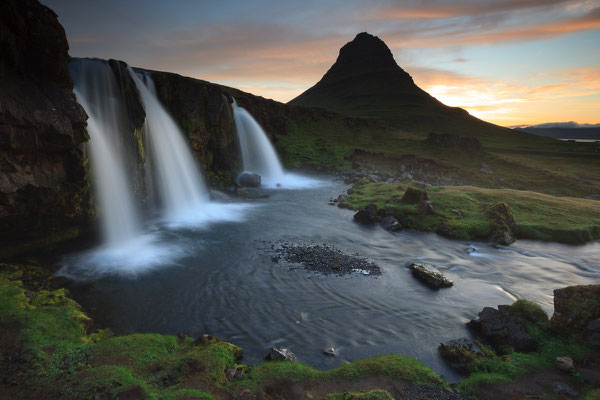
(366, 47)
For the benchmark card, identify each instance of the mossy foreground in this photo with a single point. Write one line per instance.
(48, 352)
(462, 211)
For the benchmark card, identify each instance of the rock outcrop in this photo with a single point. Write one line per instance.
(463, 353)
(43, 184)
(577, 313)
(502, 222)
(505, 328)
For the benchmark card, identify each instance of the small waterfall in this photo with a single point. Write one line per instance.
(180, 184)
(97, 91)
(258, 154)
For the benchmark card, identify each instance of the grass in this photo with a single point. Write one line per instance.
(503, 369)
(67, 361)
(537, 216)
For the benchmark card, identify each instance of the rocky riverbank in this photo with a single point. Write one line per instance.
(51, 349)
(466, 212)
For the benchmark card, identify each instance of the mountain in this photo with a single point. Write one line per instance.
(366, 82)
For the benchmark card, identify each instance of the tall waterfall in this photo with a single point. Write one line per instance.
(179, 181)
(258, 154)
(98, 93)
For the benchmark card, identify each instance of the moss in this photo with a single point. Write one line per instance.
(501, 369)
(537, 216)
(531, 312)
(593, 394)
(376, 394)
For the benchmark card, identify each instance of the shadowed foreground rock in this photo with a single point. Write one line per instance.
(577, 313)
(462, 353)
(280, 354)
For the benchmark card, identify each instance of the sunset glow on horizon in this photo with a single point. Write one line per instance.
(508, 62)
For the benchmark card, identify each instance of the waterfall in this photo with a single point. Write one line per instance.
(258, 154)
(97, 91)
(179, 181)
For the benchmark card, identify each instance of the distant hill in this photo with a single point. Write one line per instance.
(565, 133)
(366, 82)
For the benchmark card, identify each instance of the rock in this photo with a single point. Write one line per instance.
(355, 165)
(485, 169)
(248, 179)
(563, 363)
(462, 353)
(280, 354)
(470, 145)
(413, 195)
(458, 212)
(43, 182)
(235, 374)
(593, 197)
(241, 192)
(330, 351)
(503, 223)
(367, 215)
(391, 224)
(425, 207)
(430, 275)
(563, 389)
(505, 329)
(577, 313)
(216, 195)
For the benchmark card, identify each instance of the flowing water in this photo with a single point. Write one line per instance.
(98, 93)
(179, 181)
(222, 280)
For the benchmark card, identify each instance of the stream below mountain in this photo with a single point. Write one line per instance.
(222, 278)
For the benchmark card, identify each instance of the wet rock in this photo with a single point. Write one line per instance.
(330, 351)
(248, 179)
(367, 215)
(326, 259)
(430, 275)
(563, 389)
(280, 354)
(425, 207)
(241, 192)
(563, 363)
(462, 353)
(216, 195)
(235, 374)
(505, 329)
(503, 223)
(413, 195)
(391, 224)
(577, 313)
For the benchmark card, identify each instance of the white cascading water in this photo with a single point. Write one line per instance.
(180, 184)
(97, 91)
(258, 154)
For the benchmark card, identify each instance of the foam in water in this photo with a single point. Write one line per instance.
(259, 156)
(182, 190)
(97, 92)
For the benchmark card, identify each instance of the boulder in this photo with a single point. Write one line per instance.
(391, 224)
(367, 215)
(577, 313)
(563, 389)
(248, 179)
(462, 353)
(280, 354)
(505, 329)
(502, 222)
(216, 195)
(425, 207)
(564, 363)
(413, 195)
(430, 275)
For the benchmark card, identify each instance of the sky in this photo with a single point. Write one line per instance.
(510, 62)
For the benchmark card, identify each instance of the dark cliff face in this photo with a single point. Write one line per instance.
(43, 181)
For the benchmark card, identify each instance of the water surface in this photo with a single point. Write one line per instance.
(220, 279)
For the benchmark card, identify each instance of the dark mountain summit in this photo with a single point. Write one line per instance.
(365, 81)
